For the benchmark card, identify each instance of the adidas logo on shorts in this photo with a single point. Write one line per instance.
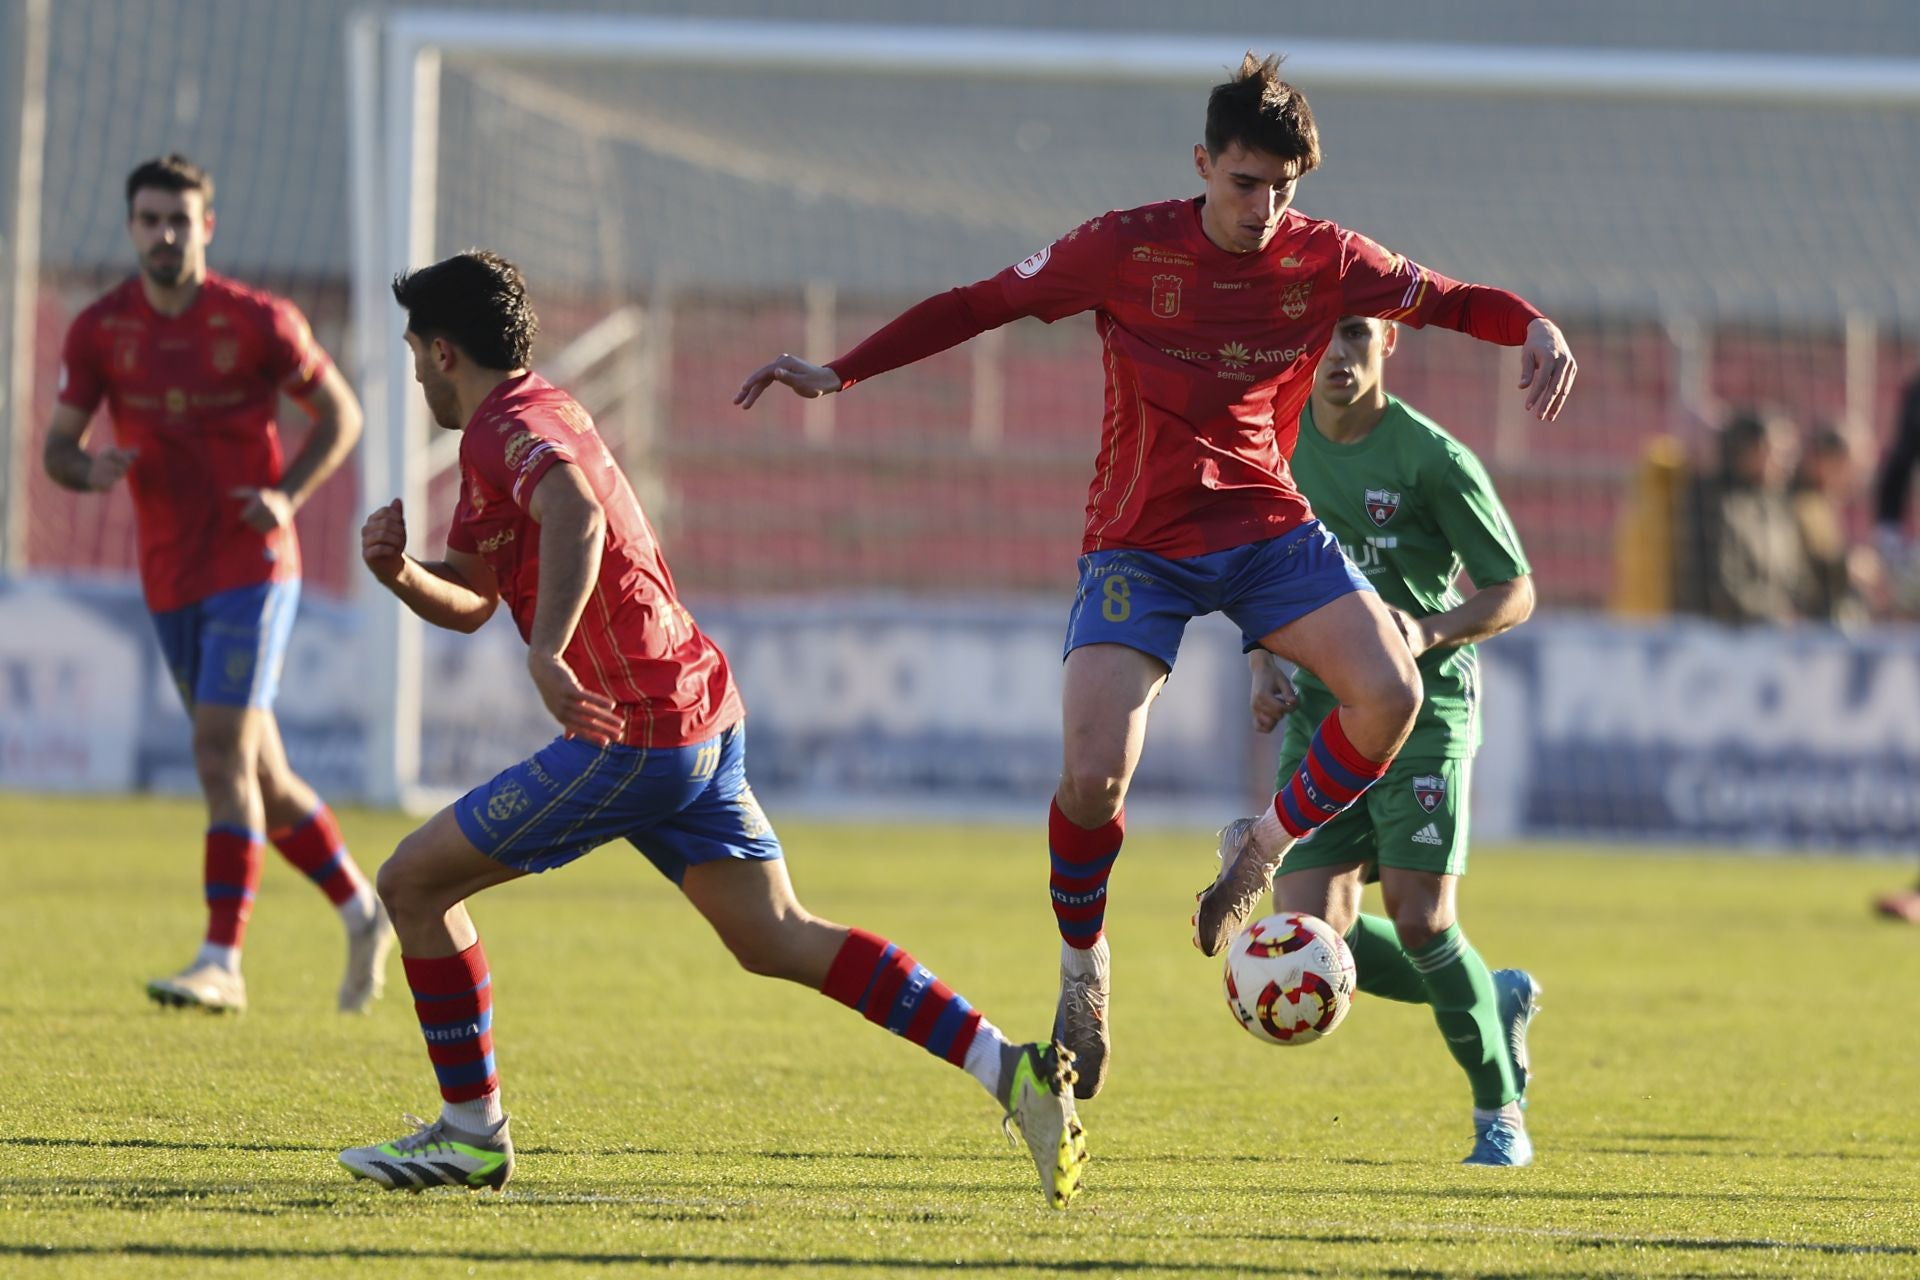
(1429, 834)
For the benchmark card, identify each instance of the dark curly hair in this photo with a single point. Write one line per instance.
(476, 300)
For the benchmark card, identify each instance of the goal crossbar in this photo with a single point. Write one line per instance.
(394, 65)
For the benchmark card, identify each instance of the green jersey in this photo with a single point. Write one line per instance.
(1412, 507)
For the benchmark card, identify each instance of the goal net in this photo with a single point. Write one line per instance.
(689, 199)
(889, 570)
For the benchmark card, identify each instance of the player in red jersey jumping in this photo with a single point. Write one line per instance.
(653, 750)
(1212, 315)
(192, 367)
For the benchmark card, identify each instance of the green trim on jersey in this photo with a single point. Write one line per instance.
(1412, 508)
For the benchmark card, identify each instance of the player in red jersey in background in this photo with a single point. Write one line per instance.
(192, 367)
(1212, 314)
(653, 749)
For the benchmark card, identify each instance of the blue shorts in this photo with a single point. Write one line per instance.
(228, 649)
(680, 806)
(1145, 601)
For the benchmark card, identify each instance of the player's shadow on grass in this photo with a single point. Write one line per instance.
(884, 1266)
(1706, 1244)
(164, 1144)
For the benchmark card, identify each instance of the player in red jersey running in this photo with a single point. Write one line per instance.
(192, 367)
(1212, 315)
(653, 749)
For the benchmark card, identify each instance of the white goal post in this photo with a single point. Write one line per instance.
(395, 64)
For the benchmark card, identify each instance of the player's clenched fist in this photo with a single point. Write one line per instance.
(106, 468)
(383, 542)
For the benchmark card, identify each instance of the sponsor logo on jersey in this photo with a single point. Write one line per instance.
(218, 320)
(1365, 558)
(1381, 504)
(126, 355)
(1293, 299)
(1235, 355)
(497, 541)
(1430, 789)
(1166, 296)
(573, 416)
(1233, 284)
(225, 355)
(176, 401)
(1029, 267)
(1161, 257)
(1292, 264)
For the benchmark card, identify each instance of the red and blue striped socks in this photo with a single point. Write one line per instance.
(893, 990)
(231, 874)
(1082, 861)
(315, 846)
(1333, 776)
(453, 997)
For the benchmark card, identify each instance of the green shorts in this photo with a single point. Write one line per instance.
(1414, 818)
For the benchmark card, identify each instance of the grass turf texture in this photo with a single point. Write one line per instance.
(1724, 1079)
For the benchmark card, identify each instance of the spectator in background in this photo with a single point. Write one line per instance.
(1891, 490)
(1840, 575)
(1742, 561)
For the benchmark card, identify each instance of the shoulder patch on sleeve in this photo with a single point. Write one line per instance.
(1029, 267)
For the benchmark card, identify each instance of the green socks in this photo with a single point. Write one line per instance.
(1381, 967)
(1449, 975)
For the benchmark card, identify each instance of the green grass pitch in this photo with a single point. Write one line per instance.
(1725, 1079)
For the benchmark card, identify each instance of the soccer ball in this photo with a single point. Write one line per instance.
(1289, 978)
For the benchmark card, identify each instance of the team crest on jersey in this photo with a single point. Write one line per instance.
(1166, 296)
(1029, 267)
(1381, 504)
(225, 354)
(1430, 789)
(1293, 299)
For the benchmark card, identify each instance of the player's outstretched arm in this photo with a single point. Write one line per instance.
(458, 593)
(927, 328)
(66, 458)
(809, 381)
(337, 421)
(573, 530)
(1547, 368)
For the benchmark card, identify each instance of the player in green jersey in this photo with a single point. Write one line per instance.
(1412, 508)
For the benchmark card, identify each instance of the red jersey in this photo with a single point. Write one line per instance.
(196, 394)
(1209, 356)
(635, 643)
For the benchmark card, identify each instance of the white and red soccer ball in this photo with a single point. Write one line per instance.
(1289, 978)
